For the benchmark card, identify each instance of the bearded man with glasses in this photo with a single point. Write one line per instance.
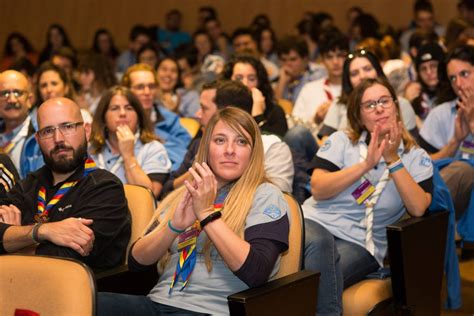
(69, 207)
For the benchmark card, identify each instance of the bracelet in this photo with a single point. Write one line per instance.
(34, 233)
(391, 163)
(133, 165)
(212, 217)
(174, 229)
(395, 166)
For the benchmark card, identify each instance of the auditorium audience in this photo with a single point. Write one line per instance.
(104, 44)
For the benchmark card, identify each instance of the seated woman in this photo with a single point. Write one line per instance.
(364, 179)
(251, 72)
(170, 93)
(122, 141)
(234, 222)
(53, 82)
(359, 65)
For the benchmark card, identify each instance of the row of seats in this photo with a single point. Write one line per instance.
(56, 286)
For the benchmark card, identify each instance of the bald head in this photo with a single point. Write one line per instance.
(14, 98)
(13, 77)
(65, 108)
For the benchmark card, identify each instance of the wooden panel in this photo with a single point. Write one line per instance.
(81, 18)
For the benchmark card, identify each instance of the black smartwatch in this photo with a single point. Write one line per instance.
(212, 217)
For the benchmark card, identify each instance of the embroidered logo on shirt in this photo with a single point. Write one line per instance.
(162, 160)
(62, 209)
(326, 145)
(425, 162)
(272, 211)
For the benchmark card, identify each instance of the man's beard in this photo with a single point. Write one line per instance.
(64, 164)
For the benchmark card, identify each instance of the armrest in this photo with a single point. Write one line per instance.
(295, 294)
(416, 247)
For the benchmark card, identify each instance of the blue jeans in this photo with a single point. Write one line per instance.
(300, 139)
(340, 262)
(127, 305)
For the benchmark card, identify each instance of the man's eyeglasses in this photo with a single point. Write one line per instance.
(370, 106)
(64, 128)
(5, 94)
(141, 87)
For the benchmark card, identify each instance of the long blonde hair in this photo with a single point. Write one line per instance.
(238, 202)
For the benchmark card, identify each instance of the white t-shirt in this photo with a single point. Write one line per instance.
(312, 95)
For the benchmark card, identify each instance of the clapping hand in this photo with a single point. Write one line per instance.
(204, 190)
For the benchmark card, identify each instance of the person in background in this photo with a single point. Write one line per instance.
(244, 42)
(103, 43)
(138, 37)
(424, 18)
(221, 40)
(16, 48)
(17, 129)
(123, 142)
(141, 79)
(295, 71)
(171, 36)
(149, 54)
(424, 94)
(267, 44)
(53, 82)
(96, 75)
(170, 93)
(251, 72)
(56, 37)
(359, 65)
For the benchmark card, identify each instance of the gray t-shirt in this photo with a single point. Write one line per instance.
(207, 292)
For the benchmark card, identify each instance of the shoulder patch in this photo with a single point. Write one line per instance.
(272, 211)
(425, 161)
(326, 146)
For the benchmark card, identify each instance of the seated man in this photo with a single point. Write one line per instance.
(294, 71)
(141, 80)
(17, 128)
(448, 131)
(68, 208)
(220, 94)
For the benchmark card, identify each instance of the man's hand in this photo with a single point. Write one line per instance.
(10, 214)
(71, 232)
(258, 106)
(321, 112)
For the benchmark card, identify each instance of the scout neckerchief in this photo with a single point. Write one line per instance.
(327, 90)
(369, 195)
(187, 243)
(10, 145)
(42, 214)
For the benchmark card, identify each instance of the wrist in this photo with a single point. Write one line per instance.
(391, 159)
(41, 233)
(174, 229)
(205, 213)
(210, 218)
